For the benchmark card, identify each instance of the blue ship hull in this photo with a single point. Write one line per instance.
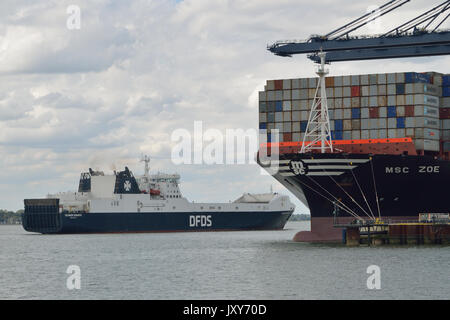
(45, 218)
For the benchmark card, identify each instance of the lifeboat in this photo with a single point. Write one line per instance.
(155, 192)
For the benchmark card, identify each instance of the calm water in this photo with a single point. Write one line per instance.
(220, 265)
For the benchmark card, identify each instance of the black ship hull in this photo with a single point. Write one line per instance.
(342, 187)
(49, 221)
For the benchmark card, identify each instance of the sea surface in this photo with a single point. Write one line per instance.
(214, 265)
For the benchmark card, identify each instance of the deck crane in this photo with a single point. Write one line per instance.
(417, 37)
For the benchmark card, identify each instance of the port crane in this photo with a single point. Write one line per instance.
(415, 38)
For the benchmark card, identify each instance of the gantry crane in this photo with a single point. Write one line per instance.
(417, 37)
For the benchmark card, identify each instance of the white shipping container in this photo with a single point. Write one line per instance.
(295, 83)
(278, 116)
(295, 115)
(426, 99)
(356, 134)
(382, 133)
(347, 92)
(365, 134)
(427, 145)
(382, 78)
(427, 111)
(347, 102)
(287, 105)
(391, 78)
(365, 113)
(400, 111)
(338, 81)
(382, 90)
(262, 96)
(355, 80)
(392, 133)
(296, 136)
(286, 116)
(364, 79)
(382, 123)
(296, 126)
(263, 117)
(391, 89)
(287, 84)
(401, 133)
(347, 113)
(338, 92)
(365, 91)
(382, 112)
(392, 100)
(286, 94)
(270, 84)
(400, 77)
(287, 128)
(373, 134)
(392, 123)
(346, 81)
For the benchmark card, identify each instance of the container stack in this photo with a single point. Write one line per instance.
(371, 106)
(444, 81)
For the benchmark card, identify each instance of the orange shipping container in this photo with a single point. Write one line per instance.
(329, 82)
(409, 111)
(356, 91)
(278, 84)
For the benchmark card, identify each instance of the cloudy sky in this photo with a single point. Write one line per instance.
(135, 71)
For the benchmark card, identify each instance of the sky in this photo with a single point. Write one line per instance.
(136, 71)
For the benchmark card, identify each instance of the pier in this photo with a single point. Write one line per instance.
(391, 232)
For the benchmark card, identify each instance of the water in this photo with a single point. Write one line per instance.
(216, 265)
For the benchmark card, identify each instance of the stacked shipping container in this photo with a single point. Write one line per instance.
(375, 106)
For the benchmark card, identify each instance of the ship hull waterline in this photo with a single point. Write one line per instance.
(81, 223)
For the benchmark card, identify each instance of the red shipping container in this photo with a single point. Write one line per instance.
(374, 112)
(356, 91)
(444, 113)
(409, 111)
(287, 137)
(278, 84)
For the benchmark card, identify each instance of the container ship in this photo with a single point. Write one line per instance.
(391, 140)
(122, 203)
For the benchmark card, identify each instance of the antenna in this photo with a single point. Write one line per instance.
(146, 159)
(318, 128)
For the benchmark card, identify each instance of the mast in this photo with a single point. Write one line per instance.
(146, 160)
(318, 128)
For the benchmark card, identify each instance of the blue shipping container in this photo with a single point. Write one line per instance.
(279, 106)
(303, 125)
(356, 113)
(337, 135)
(400, 123)
(263, 125)
(446, 80)
(339, 125)
(400, 88)
(446, 91)
(269, 137)
(391, 112)
(413, 77)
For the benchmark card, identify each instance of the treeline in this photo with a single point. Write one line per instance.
(10, 217)
(300, 217)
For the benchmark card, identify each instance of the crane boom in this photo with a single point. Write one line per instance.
(406, 40)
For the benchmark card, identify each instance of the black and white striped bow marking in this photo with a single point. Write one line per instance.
(318, 167)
